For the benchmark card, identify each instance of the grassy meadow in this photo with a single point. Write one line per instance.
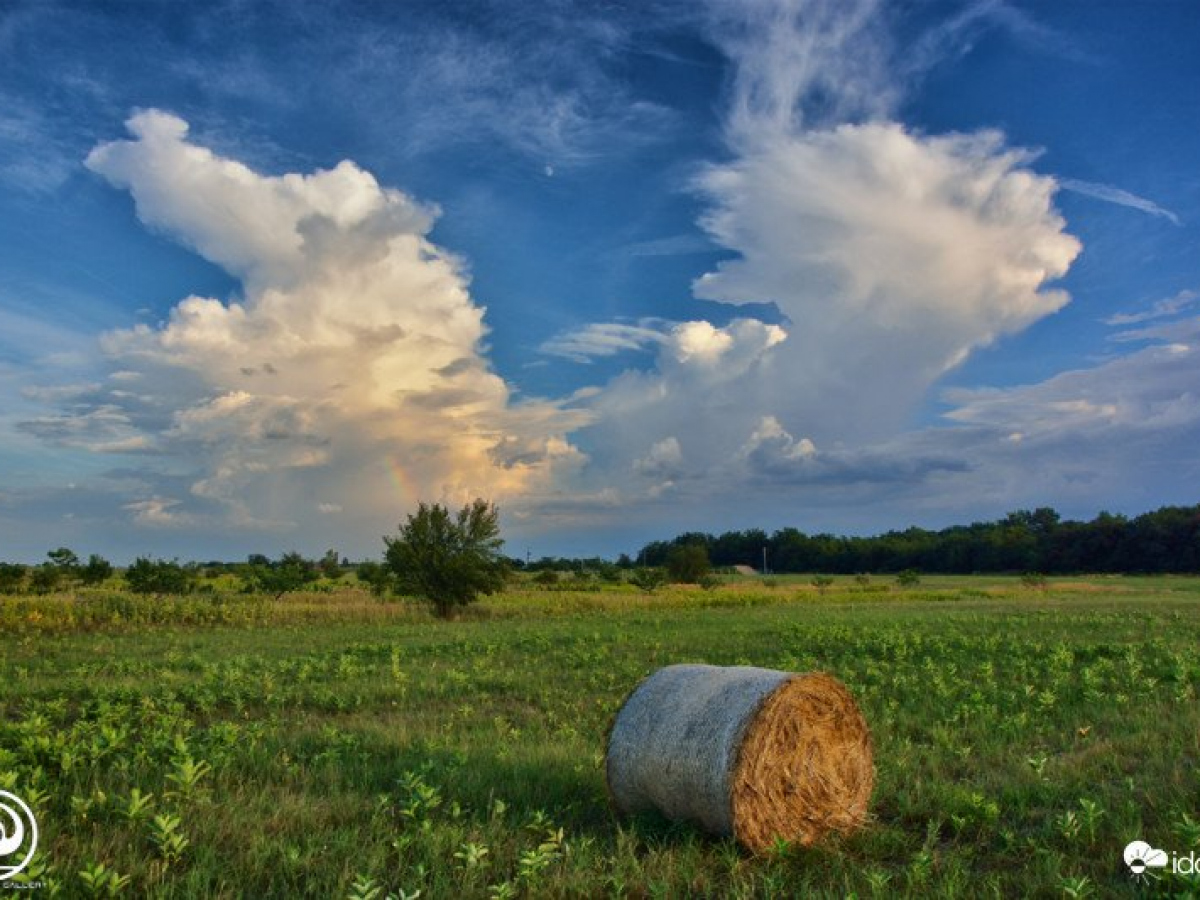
(327, 744)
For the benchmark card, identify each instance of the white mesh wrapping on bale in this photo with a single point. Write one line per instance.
(674, 743)
(745, 752)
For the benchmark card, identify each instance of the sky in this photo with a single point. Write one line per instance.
(273, 273)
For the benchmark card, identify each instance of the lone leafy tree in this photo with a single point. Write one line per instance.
(687, 563)
(448, 560)
(65, 559)
(65, 563)
(291, 573)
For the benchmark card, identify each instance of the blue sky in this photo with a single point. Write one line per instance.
(270, 273)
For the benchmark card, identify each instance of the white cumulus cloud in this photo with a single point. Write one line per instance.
(890, 254)
(349, 375)
(662, 459)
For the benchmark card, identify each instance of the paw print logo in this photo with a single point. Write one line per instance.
(1140, 856)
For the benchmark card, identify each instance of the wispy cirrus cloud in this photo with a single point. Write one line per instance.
(675, 245)
(603, 339)
(533, 79)
(35, 157)
(1119, 196)
(1161, 309)
(539, 82)
(959, 33)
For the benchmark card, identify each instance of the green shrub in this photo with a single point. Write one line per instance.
(449, 561)
(45, 578)
(376, 577)
(97, 571)
(330, 566)
(291, 573)
(12, 577)
(687, 563)
(648, 579)
(158, 576)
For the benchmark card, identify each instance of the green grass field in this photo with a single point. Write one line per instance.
(331, 745)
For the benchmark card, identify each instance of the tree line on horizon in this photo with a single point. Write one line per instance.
(444, 559)
(1166, 540)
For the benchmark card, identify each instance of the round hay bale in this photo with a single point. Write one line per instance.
(742, 751)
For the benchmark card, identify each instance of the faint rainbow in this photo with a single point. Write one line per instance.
(405, 484)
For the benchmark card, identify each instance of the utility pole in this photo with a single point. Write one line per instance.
(764, 560)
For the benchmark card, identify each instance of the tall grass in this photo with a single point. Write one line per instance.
(331, 745)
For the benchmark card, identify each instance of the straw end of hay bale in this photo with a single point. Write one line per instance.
(805, 768)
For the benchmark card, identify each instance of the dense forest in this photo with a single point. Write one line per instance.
(1166, 540)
